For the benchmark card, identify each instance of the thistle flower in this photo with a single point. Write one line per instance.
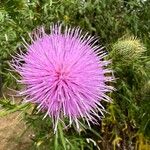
(64, 74)
(128, 49)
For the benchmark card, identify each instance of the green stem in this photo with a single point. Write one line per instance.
(56, 141)
(61, 135)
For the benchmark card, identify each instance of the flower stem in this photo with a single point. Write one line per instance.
(56, 141)
(62, 138)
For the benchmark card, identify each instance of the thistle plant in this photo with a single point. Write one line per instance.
(130, 109)
(64, 74)
(109, 19)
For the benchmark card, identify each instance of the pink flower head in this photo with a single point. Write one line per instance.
(64, 74)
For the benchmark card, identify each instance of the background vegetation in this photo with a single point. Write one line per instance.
(119, 24)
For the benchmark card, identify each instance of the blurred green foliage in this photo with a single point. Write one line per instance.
(127, 125)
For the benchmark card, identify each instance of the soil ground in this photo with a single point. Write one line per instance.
(11, 128)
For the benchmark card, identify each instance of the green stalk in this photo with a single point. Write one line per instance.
(61, 135)
(56, 141)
